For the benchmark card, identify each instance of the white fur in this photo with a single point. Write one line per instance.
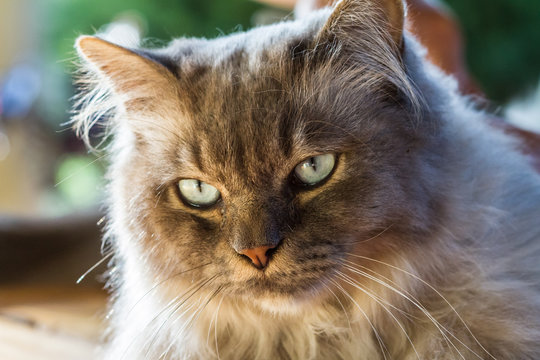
(525, 113)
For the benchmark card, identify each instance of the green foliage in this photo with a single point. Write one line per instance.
(164, 19)
(503, 43)
(79, 181)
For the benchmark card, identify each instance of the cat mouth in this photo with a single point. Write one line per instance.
(272, 282)
(279, 297)
(281, 275)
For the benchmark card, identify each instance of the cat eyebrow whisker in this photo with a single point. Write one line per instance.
(437, 292)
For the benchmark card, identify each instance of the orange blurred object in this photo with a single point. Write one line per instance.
(437, 30)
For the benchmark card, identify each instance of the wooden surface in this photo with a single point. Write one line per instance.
(50, 323)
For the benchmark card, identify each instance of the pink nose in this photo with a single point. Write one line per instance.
(259, 256)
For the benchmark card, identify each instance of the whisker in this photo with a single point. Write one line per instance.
(162, 282)
(418, 305)
(376, 236)
(199, 310)
(340, 304)
(76, 172)
(351, 267)
(352, 282)
(436, 292)
(193, 318)
(172, 342)
(216, 327)
(93, 267)
(379, 339)
(175, 309)
(214, 318)
(171, 304)
(165, 308)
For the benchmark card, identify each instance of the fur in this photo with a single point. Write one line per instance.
(424, 242)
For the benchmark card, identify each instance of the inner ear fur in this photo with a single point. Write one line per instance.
(132, 76)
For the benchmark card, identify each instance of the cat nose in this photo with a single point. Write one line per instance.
(259, 256)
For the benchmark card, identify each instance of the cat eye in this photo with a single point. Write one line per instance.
(198, 193)
(315, 169)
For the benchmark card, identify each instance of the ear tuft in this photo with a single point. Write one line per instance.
(84, 42)
(367, 37)
(93, 50)
(112, 80)
(370, 17)
(395, 14)
(126, 69)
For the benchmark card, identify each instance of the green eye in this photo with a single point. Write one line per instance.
(198, 193)
(315, 169)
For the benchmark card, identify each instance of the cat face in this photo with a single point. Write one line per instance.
(227, 138)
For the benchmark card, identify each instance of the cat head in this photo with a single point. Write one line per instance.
(260, 161)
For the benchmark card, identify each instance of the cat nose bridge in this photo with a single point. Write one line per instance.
(255, 234)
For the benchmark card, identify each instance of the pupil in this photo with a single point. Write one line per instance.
(313, 164)
(199, 186)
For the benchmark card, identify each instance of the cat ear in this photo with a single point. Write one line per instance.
(353, 18)
(132, 76)
(114, 80)
(368, 35)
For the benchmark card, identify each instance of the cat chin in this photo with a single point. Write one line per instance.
(283, 305)
(287, 304)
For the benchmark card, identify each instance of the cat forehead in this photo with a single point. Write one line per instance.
(254, 43)
(228, 91)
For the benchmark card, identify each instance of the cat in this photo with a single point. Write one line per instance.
(312, 189)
